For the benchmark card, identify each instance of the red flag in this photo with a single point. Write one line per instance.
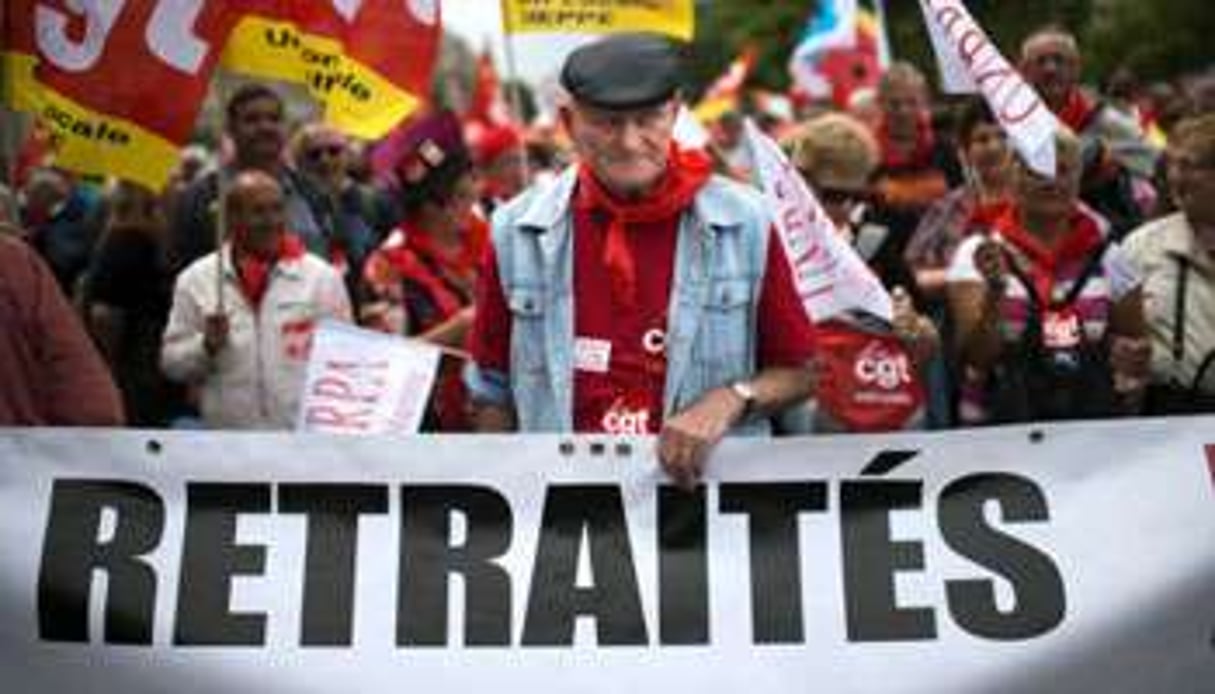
(119, 83)
(487, 105)
(98, 79)
(726, 91)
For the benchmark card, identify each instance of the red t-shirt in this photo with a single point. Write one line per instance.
(620, 364)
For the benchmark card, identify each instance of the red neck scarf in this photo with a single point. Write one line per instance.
(687, 171)
(920, 156)
(253, 271)
(461, 264)
(1045, 261)
(1077, 110)
(448, 277)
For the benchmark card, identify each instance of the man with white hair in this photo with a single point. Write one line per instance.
(637, 293)
(1118, 162)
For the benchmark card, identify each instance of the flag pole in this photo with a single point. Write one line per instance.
(223, 184)
(885, 54)
(512, 74)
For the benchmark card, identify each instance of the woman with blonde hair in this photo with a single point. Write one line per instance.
(870, 372)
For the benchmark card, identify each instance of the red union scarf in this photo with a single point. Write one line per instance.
(253, 271)
(1084, 238)
(867, 382)
(1077, 110)
(687, 171)
(97, 79)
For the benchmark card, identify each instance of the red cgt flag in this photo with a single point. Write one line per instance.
(119, 83)
(116, 84)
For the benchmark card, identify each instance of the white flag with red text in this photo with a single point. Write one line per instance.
(966, 55)
(830, 277)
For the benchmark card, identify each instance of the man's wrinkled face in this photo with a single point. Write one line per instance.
(325, 156)
(258, 215)
(627, 150)
(1051, 63)
(257, 129)
(903, 104)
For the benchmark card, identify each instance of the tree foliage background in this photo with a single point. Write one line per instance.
(1158, 39)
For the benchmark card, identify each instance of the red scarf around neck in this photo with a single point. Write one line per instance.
(1077, 110)
(1084, 237)
(254, 271)
(462, 263)
(920, 156)
(437, 269)
(687, 171)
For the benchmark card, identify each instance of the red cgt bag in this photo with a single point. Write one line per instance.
(867, 380)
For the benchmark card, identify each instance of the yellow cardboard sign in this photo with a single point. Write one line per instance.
(357, 100)
(671, 17)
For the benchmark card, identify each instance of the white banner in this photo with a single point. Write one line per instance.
(365, 382)
(954, 77)
(830, 277)
(1074, 558)
(1020, 111)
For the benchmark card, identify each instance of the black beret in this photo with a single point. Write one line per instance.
(623, 72)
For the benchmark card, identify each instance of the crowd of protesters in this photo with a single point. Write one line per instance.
(557, 271)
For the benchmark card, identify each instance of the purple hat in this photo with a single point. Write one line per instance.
(430, 144)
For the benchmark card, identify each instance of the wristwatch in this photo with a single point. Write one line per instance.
(746, 391)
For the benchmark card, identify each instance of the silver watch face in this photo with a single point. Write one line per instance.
(744, 390)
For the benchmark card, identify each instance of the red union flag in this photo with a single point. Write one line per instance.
(368, 62)
(117, 83)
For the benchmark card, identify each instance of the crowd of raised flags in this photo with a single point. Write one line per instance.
(123, 102)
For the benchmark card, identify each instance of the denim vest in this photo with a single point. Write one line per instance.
(720, 257)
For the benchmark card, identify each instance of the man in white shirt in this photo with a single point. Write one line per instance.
(245, 341)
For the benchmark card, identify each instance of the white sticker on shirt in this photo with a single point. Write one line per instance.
(592, 355)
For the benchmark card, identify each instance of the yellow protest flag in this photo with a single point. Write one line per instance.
(671, 17)
(369, 71)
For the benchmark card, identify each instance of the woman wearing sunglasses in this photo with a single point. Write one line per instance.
(870, 372)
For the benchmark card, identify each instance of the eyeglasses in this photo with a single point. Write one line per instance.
(319, 152)
(840, 196)
(645, 119)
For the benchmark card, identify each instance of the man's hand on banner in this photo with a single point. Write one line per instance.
(688, 437)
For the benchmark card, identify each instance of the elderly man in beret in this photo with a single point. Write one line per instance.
(636, 293)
